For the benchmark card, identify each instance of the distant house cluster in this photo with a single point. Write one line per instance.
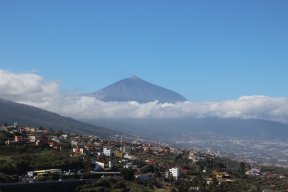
(33, 136)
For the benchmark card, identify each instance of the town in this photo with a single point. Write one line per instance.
(266, 152)
(32, 155)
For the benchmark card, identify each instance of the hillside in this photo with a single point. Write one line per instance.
(27, 115)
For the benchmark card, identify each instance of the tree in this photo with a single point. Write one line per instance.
(148, 169)
(128, 174)
(242, 169)
(4, 136)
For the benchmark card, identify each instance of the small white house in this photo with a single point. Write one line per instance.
(32, 138)
(128, 165)
(130, 157)
(175, 172)
(98, 165)
(107, 152)
(74, 142)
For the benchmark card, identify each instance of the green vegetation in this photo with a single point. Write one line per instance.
(18, 159)
(127, 174)
(114, 184)
(4, 136)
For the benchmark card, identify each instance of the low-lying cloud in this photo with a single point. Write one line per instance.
(32, 89)
(26, 86)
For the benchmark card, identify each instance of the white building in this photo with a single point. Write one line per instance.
(130, 157)
(32, 138)
(175, 172)
(74, 143)
(107, 152)
(98, 165)
(193, 156)
(253, 172)
(128, 165)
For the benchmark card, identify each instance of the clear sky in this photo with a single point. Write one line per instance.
(205, 50)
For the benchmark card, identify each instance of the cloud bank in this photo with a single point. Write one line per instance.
(26, 86)
(32, 89)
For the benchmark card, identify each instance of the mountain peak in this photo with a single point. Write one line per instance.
(134, 77)
(136, 89)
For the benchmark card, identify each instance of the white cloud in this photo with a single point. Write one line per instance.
(17, 86)
(32, 89)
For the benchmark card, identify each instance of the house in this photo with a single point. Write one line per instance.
(89, 147)
(128, 165)
(110, 164)
(64, 136)
(175, 172)
(209, 180)
(98, 166)
(146, 148)
(127, 149)
(32, 138)
(31, 129)
(23, 130)
(165, 150)
(54, 145)
(97, 144)
(130, 157)
(18, 138)
(217, 174)
(119, 154)
(253, 172)
(77, 151)
(55, 139)
(3, 128)
(21, 139)
(74, 142)
(107, 152)
(43, 172)
(193, 156)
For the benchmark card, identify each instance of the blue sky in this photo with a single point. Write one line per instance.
(205, 50)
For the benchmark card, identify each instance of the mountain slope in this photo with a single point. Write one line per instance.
(136, 89)
(31, 116)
